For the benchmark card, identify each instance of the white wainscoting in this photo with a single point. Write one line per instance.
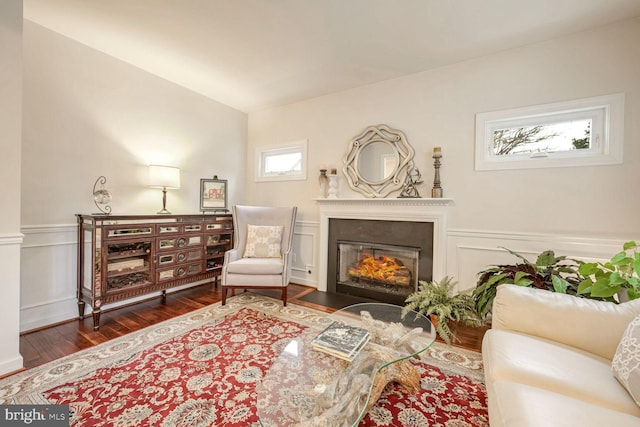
(48, 262)
(48, 271)
(304, 264)
(48, 275)
(471, 251)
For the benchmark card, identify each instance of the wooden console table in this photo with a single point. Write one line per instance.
(126, 256)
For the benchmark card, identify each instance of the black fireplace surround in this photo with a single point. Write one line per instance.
(381, 232)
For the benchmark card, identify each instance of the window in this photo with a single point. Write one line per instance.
(281, 163)
(574, 133)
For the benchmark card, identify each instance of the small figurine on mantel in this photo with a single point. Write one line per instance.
(413, 179)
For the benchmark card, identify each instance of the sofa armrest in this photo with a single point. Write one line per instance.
(590, 325)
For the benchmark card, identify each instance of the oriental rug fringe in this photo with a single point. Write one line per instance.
(201, 369)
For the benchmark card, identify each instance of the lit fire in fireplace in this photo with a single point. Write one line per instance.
(383, 268)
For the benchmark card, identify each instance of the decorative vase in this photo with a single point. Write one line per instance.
(333, 186)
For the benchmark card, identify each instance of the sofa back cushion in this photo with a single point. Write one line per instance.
(590, 325)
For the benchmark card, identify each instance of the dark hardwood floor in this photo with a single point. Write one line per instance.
(47, 344)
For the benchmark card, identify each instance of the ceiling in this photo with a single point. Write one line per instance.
(254, 54)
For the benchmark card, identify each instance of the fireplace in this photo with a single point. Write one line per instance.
(387, 224)
(382, 247)
(380, 272)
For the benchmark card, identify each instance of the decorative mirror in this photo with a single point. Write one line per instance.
(378, 161)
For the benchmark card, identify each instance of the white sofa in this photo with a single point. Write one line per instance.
(547, 360)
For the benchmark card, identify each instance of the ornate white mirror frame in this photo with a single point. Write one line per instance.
(378, 161)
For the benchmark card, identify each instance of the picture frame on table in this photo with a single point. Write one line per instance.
(213, 195)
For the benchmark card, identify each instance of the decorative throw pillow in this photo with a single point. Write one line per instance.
(263, 241)
(626, 361)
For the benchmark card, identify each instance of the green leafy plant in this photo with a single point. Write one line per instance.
(604, 280)
(438, 298)
(550, 272)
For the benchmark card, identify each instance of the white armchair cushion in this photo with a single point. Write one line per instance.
(626, 362)
(263, 241)
(256, 266)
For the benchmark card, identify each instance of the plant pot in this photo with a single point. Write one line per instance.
(434, 320)
(623, 296)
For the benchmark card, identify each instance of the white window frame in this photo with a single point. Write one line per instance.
(292, 147)
(607, 133)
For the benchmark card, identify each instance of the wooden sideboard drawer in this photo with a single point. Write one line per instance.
(178, 272)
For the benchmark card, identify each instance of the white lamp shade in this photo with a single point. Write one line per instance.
(164, 176)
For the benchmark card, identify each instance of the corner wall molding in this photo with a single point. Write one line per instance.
(11, 239)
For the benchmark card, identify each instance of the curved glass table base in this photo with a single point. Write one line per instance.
(307, 387)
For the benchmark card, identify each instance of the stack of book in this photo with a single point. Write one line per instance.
(341, 340)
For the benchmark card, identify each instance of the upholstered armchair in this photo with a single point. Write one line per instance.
(262, 237)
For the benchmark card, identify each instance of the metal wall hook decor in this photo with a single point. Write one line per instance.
(102, 196)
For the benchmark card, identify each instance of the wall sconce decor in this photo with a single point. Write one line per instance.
(102, 196)
(164, 177)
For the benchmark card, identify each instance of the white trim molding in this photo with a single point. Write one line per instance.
(472, 251)
(604, 114)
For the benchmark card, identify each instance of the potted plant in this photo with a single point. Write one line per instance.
(437, 299)
(613, 278)
(550, 272)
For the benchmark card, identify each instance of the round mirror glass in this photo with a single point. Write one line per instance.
(377, 161)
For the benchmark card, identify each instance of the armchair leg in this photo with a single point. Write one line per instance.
(223, 289)
(284, 296)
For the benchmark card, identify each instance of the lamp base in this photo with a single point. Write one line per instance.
(163, 212)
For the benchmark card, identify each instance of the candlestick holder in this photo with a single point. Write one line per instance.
(436, 191)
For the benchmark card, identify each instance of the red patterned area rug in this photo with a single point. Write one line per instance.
(201, 369)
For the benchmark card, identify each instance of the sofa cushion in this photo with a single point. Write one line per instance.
(594, 326)
(626, 362)
(516, 357)
(263, 241)
(256, 266)
(519, 405)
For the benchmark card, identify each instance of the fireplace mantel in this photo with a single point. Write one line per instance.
(389, 209)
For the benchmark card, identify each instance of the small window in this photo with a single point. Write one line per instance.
(575, 133)
(281, 163)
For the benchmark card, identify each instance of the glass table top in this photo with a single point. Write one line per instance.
(308, 387)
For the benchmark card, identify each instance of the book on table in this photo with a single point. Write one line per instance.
(341, 340)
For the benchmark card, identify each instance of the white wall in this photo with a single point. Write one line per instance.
(87, 114)
(10, 141)
(532, 207)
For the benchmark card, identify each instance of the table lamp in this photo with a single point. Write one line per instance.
(164, 177)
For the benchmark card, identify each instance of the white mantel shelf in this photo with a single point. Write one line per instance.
(433, 210)
(400, 201)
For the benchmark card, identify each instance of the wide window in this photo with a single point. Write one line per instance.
(574, 133)
(281, 163)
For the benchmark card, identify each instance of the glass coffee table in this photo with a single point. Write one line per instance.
(307, 387)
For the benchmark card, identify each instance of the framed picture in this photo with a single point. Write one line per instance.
(213, 194)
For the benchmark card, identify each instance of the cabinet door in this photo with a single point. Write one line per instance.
(218, 239)
(128, 264)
